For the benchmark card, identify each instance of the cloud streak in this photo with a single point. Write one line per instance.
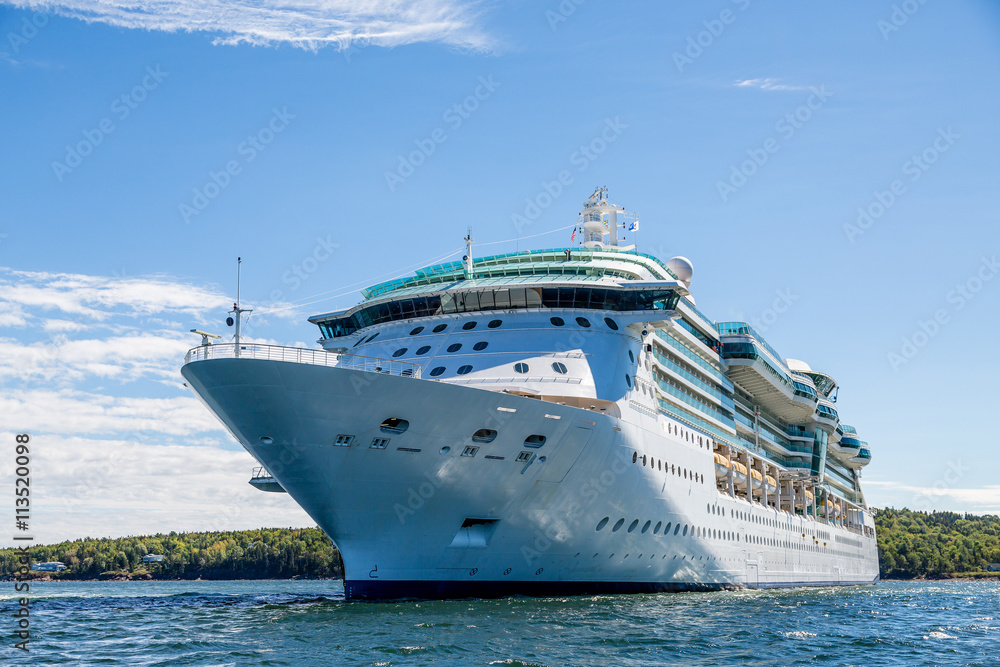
(309, 24)
(767, 84)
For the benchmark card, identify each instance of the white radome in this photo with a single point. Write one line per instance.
(682, 268)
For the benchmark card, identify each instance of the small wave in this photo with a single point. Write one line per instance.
(939, 635)
(514, 662)
(799, 634)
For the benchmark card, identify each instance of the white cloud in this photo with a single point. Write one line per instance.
(986, 499)
(110, 488)
(768, 84)
(71, 412)
(309, 24)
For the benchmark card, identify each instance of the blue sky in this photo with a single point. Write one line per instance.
(836, 159)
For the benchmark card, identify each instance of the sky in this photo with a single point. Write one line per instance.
(830, 169)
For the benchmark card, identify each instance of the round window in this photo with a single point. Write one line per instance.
(556, 321)
(400, 352)
(583, 322)
(521, 368)
(416, 331)
(559, 367)
(437, 371)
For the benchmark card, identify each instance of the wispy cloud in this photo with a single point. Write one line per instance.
(309, 24)
(986, 499)
(767, 84)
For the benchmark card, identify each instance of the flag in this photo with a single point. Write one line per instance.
(573, 235)
(634, 226)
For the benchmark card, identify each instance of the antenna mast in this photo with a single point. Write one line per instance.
(468, 254)
(238, 311)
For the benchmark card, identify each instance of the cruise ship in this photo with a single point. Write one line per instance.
(551, 422)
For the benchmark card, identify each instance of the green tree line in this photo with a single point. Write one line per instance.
(915, 545)
(268, 553)
(911, 545)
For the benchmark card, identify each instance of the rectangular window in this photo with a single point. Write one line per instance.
(379, 443)
(523, 457)
(470, 451)
(343, 440)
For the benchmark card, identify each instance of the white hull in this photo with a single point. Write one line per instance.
(397, 514)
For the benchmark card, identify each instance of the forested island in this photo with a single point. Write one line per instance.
(912, 545)
(268, 553)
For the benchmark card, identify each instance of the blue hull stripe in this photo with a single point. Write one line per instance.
(441, 590)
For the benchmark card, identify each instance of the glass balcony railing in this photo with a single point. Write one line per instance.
(847, 442)
(864, 454)
(744, 329)
(848, 429)
(693, 379)
(711, 370)
(799, 432)
(804, 390)
(827, 412)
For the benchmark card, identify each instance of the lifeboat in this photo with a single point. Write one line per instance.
(772, 484)
(722, 466)
(739, 474)
(810, 498)
(758, 479)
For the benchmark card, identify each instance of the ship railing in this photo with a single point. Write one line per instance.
(261, 473)
(301, 355)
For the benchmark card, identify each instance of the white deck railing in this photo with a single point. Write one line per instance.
(299, 355)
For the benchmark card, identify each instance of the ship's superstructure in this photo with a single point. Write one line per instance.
(548, 422)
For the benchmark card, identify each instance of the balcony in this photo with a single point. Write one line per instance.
(262, 481)
(298, 355)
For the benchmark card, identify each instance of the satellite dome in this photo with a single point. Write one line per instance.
(682, 268)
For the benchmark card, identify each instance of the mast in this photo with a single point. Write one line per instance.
(468, 254)
(238, 311)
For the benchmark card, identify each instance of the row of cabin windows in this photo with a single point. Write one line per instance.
(522, 368)
(493, 324)
(454, 347)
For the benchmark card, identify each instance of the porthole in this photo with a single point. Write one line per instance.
(484, 435)
(611, 323)
(454, 347)
(480, 346)
(684, 534)
(266, 440)
(520, 368)
(437, 371)
(469, 326)
(645, 526)
(462, 370)
(424, 349)
(632, 525)
(631, 357)
(416, 331)
(439, 328)
(628, 380)
(602, 523)
(559, 367)
(644, 460)
(445, 449)
(400, 352)
(618, 525)
(635, 455)
(534, 441)
(583, 322)
(656, 528)
(556, 321)
(373, 336)
(394, 425)
(494, 324)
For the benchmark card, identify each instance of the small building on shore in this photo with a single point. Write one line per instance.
(55, 566)
(993, 567)
(152, 558)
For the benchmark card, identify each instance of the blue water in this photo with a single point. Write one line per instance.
(309, 623)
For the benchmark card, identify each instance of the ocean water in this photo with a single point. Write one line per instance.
(309, 623)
